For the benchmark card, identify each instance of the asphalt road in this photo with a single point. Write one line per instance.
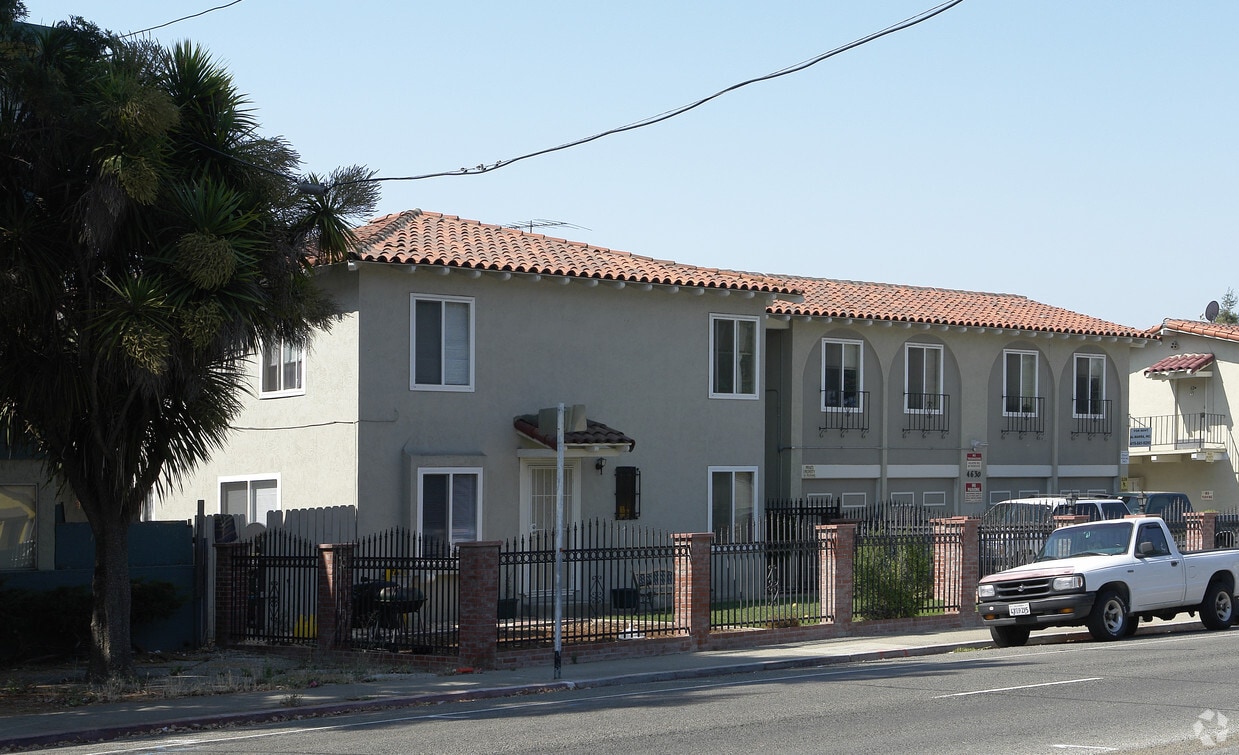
(1172, 693)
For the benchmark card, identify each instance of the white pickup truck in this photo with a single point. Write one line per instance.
(1108, 576)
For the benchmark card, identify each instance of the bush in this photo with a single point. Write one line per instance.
(56, 622)
(892, 580)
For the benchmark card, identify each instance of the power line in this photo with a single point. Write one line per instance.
(182, 18)
(485, 168)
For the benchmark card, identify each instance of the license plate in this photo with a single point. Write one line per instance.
(1018, 609)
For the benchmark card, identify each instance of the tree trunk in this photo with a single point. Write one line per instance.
(111, 655)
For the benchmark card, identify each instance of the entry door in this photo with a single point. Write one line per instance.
(538, 497)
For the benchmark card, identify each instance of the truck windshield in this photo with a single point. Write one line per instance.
(1101, 539)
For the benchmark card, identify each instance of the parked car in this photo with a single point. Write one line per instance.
(1169, 506)
(1012, 531)
(1108, 576)
(1042, 510)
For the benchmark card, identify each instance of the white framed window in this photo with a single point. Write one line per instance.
(733, 498)
(449, 504)
(1019, 383)
(283, 369)
(250, 496)
(733, 356)
(853, 502)
(922, 378)
(842, 375)
(441, 343)
(998, 496)
(903, 499)
(936, 499)
(18, 516)
(1089, 392)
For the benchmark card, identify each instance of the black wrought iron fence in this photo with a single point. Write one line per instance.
(768, 581)
(1007, 545)
(280, 578)
(893, 574)
(405, 593)
(617, 582)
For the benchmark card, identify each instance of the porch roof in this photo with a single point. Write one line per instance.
(596, 436)
(1185, 364)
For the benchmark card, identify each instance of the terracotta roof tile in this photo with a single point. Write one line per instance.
(1209, 329)
(1186, 363)
(594, 434)
(414, 237)
(939, 306)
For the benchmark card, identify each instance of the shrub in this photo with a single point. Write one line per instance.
(893, 579)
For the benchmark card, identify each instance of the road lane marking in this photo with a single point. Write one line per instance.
(1022, 686)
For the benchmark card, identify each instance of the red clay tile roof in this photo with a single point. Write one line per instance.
(1187, 363)
(939, 306)
(594, 434)
(414, 237)
(1196, 327)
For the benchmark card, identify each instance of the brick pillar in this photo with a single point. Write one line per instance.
(231, 593)
(956, 562)
(1064, 520)
(838, 570)
(335, 593)
(692, 586)
(479, 603)
(1201, 530)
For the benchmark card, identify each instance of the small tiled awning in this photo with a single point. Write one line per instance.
(1184, 364)
(593, 437)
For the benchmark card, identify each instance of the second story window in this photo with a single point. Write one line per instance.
(1089, 395)
(923, 378)
(842, 374)
(1019, 382)
(283, 369)
(442, 343)
(733, 357)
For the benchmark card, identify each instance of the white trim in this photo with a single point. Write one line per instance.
(1075, 379)
(421, 474)
(1036, 386)
(860, 375)
(262, 369)
(847, 501)
(757, 364)
(840, 471)
(756, 502)
(901, 471)
(573, 491)
(907, 347)
(1019, 470)
(937, 504)
(1088, 470)
(414, 298)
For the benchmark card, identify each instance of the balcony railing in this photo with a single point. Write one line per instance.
(1184, 432)
(1098, 421)
(850, 413)
(927, 413)
(1023, 415)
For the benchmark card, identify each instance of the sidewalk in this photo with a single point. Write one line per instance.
(116, 720)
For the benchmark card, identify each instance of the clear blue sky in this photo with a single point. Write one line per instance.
(1082, 154)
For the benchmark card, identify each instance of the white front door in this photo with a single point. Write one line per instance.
(538, 495)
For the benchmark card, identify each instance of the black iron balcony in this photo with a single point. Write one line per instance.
(1092, 417)
(844, 411)
(927, 413)
(1023, 415)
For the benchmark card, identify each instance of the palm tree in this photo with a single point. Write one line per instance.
(150, 239)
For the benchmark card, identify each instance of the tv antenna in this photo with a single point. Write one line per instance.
(529, 225)
(1211, 310)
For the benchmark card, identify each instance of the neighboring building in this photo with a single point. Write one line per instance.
(1182, 426)
(941, 398)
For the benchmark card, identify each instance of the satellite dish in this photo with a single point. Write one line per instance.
(1211, 310)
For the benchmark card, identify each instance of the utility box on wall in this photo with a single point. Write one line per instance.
(627, 493)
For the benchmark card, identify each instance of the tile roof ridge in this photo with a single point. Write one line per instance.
(913, 286)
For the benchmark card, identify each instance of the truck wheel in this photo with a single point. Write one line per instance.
(1217, 610)
(1009, 637)
(1109, 619)
(1133, 623)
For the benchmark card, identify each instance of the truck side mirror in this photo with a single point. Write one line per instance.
(1144, 548)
